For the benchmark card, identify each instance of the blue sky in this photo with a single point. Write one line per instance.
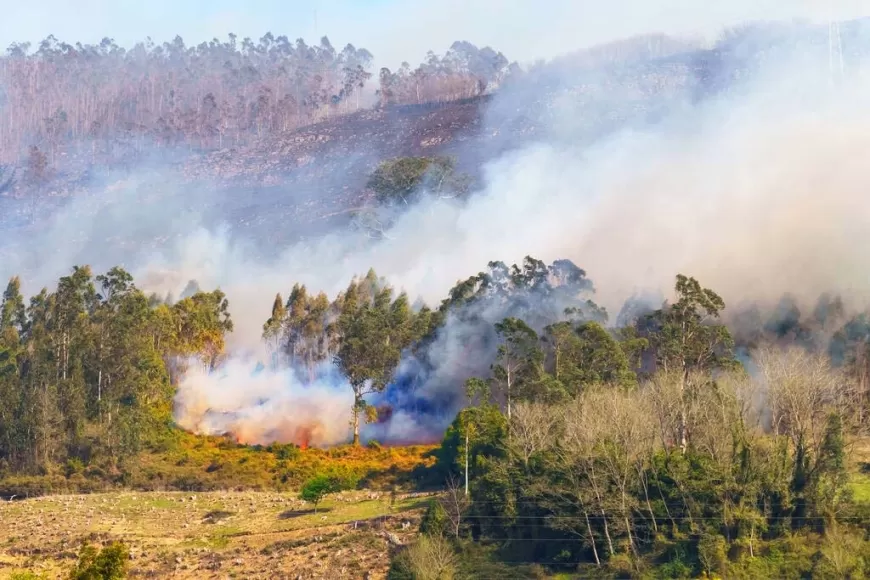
(399, 29)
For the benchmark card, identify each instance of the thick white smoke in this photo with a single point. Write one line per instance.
(756, 192)
(265, 405)
(756, 195)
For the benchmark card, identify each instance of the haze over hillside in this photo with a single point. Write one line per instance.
(611, 308)
(242, 164)
(275, 139)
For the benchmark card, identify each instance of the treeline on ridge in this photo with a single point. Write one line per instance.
(104, 102)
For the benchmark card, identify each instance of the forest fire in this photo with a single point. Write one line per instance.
(311, 434)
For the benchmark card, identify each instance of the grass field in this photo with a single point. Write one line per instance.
(213, 534)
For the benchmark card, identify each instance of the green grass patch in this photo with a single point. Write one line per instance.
(860, 486)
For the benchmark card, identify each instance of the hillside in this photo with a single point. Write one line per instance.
(436, 387)
(213, 535)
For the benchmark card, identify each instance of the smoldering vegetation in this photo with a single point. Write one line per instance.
(741, 165)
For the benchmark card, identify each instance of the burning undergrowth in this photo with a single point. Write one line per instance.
(258, 405)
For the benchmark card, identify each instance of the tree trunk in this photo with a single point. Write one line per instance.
(466, 462)
(357, 402)
(607, 532)
(684, 442)
(646, 497)
(603, 513)
(751, 537)
(592, 539)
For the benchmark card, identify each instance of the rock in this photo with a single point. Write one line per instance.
(393, 538)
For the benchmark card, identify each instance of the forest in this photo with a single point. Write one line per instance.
(677, 439)
(88, 367)
(104, 102)
(668, 445)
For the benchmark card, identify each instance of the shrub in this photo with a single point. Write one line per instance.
(110, 563)
(434, 522)
(27, 575)
(431, 558)
(74, 465)
(316, 488)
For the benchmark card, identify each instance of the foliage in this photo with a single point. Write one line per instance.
(364, 331)
(27, 575)
(429, 558)
(401, 180)
(319, 486)
(316, 488)
(201, 463)
(218, 94)
(109, 563)
(465, 71)
(86, 370)
(671, 471)
(434, 522)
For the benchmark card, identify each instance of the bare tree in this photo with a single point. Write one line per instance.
(7, 178)
(626, 431)
(577, 453)
(455, 503)
(803, 389)
(533, 428)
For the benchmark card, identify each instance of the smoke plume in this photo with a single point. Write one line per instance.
(757, 191)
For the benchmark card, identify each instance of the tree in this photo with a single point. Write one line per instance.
(429, 558)
(274, 325)
(13, 312)
(36, 176)
(586, 354)
(401, 180)
(518, 359)
(374, 329)
(685, 337)
(455, 503)
(533, 428)
(317, 488)
(807, 405)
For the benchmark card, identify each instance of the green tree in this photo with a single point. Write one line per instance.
(374, 330)
(13, 312)
(686, 337)
(403, 179)
(317, 488)
(109, 563)
(518, 360)
(586, 354)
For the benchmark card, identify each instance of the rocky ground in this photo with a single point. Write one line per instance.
(212, 535)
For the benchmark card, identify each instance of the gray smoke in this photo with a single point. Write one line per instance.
(758, 191)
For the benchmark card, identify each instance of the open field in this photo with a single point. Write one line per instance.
(213, 534)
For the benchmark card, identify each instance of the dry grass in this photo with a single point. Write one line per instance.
(196, 463)
(211, 535)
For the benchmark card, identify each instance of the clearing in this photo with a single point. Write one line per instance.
(213, 535)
